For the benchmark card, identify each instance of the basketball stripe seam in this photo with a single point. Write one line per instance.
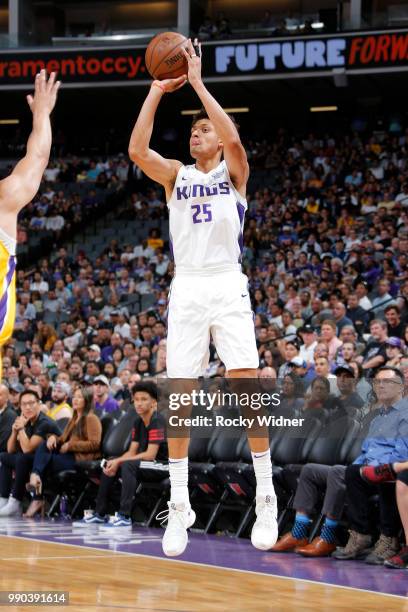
(151, 53)
(166, 56)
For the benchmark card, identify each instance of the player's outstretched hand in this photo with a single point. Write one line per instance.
(170, 85)
(45, 93)
(193, 56)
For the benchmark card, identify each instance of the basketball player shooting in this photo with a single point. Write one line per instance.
(207, 203)
(18, 189)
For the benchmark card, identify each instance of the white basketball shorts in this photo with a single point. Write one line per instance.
(216, 305)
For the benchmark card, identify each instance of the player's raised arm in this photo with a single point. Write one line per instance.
(157, 167)
(20, 187)
(234, 152)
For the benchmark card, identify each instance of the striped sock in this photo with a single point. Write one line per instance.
(300, 529)
(328, 533)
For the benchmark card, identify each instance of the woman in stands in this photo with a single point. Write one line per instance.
(80, 441)
(292, 394)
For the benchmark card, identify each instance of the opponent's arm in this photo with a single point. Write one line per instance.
(20, 187)
(157, 167)
(234, 153)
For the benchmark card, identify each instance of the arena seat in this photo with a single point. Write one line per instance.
(355, 447)
(76, 484)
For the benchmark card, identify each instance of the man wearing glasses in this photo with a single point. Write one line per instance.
(386, 442)
(27, 433)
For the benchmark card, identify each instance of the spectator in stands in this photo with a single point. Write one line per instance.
(328, 335)
(27, 433)
(362, 293)
(395, 351)
(322, 369)
(308, 335)
(7, 417)
(15, 389)
(384, 298)
(80, 441)
(104, 403)
(292, 393)
(148, 443)
(374, 355)
(340, 318)
(349, 400)
(60, 408)
(319, 402)
(356, 313)
(395, 326)
(290, 349)
(386, 442)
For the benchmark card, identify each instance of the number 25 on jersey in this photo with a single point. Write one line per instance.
(201, 213)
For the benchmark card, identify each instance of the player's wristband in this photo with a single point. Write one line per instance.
(159, 85)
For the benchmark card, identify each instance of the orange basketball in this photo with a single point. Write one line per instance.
(164, 58)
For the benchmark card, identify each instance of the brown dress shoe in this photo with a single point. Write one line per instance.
(316, 548)
(288, 543)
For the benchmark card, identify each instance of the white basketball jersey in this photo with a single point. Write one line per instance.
(206, 221)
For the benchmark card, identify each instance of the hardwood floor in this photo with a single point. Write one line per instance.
(105, 580)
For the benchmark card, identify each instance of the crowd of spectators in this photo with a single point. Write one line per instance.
(325, 250)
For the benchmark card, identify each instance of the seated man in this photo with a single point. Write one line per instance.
(60, 408)
(348, 399)
(7, 417)
(386, 442)
(28, 431)
(148, 444)
(316, 478)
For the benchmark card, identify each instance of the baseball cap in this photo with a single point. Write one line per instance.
(16, 387)
(63, 387)
(95, 347)
(105, 325)
(161, 302)
(344, 367)
(102, 379)
(114, 313)
(394, 341)
(298, 362)
(307, 329)
(88, 379)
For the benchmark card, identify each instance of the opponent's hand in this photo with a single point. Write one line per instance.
(170, 85)
(193, 57)
(45, 93)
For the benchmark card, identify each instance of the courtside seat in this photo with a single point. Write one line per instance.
(355, 446)
(154, 477)
(75, 484)
(291, 442)
(222, 446)
(330, 447)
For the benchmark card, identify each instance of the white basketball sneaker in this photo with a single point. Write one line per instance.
(265, 530)
(179, 518)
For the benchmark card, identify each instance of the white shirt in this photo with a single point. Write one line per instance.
(307, 352)
(365, 303)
